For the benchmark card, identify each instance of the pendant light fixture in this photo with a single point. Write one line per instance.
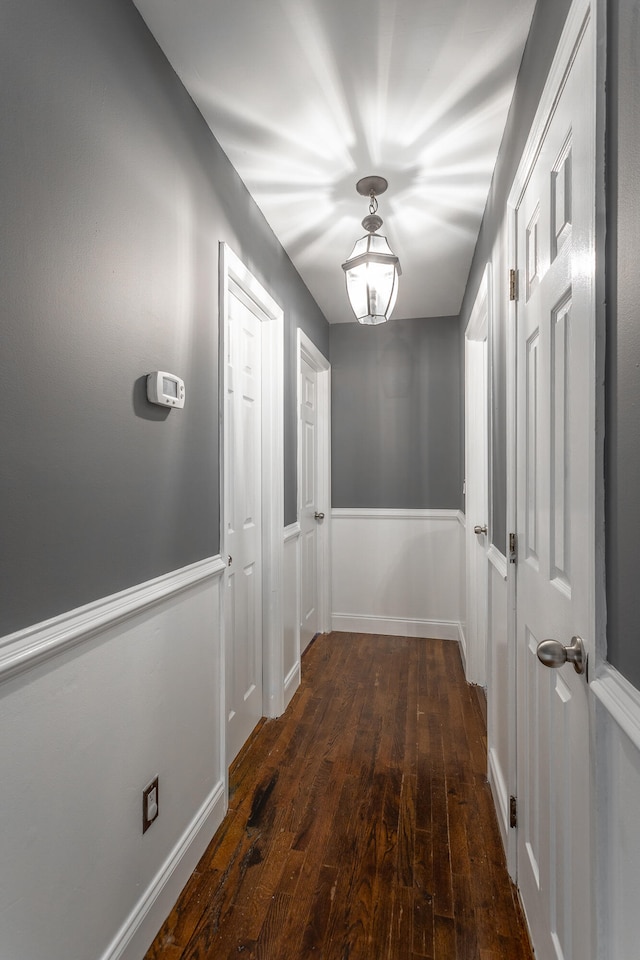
(372, 269)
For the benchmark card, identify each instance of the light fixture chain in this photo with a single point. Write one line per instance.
(373, 203)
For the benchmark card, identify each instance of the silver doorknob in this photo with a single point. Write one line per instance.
(318, 515)
(480, 529)
(553, 654)
(229, 560)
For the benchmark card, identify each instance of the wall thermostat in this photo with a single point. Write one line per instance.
(165, 388)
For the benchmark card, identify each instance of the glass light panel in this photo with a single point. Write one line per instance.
(372, 279)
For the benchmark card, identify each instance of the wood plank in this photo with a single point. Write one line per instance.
(442, 876)
(406, 832)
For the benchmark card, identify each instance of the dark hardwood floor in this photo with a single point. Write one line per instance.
(361, 825)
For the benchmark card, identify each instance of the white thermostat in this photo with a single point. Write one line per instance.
(165, 388)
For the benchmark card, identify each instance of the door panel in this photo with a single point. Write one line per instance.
(243, 535)
(555, 422)
(560, 445)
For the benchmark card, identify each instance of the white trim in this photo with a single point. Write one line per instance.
(307, 349)
(367, 513)
(510, 762)
(462, 640)
(232, 269)
(292, 682)
(291, 532)
(574, 29)
(478, 326)
(477, 379)
(500, 794)
(620, 698)
(498, 560)
(144, 921)
(396, 626)
(21, 650)
(291, 610)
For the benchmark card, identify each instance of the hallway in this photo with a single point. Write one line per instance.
(360, 823)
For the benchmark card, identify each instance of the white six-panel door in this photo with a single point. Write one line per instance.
(252, 484)
(555, 496)
(243, 522)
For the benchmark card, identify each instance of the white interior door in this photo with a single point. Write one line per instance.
(555, 514)
(310, 514)
(477, 475)
(314, 496)
(243, 521)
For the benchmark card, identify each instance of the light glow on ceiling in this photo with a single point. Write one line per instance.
(308, 96)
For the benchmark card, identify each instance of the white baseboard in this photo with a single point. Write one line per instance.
(291, 684)
(500, 795)
(396, 626)
(462, 640)
(137, 933)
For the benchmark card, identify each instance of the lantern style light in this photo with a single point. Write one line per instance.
(372, 269)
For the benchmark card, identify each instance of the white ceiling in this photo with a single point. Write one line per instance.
(308, 96)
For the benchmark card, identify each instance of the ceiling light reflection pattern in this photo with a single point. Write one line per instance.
(415, 89)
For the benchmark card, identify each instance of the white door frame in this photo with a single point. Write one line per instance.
(477, 463)
(307, 349)
(579, 14)
(233, 271)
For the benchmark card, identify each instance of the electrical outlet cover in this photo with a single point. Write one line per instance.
(150, 804)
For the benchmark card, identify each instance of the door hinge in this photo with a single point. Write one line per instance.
(513, 812)
(513, 548)
(513, 284)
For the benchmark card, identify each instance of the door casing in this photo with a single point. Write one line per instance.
(233, 270)
(477, 393)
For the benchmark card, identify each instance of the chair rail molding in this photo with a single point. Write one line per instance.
(23, 649)
(620, 698)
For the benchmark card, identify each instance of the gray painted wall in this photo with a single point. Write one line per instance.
(396, 415)
(546, 28)
(113, 199)
(622, 443)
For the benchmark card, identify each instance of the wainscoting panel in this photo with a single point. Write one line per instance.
(618, 801)
(93, 705)
(398, 572)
